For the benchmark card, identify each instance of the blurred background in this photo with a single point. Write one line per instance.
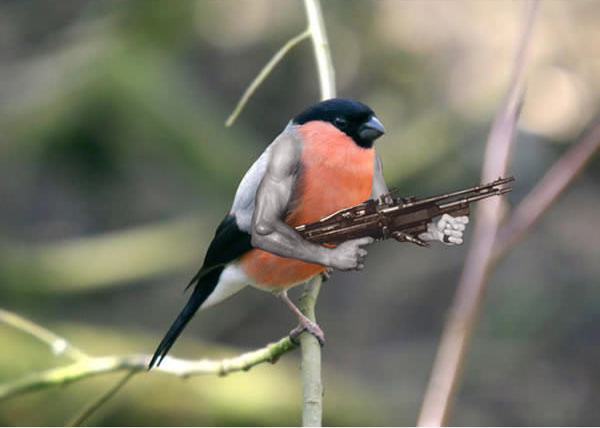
(115, 168)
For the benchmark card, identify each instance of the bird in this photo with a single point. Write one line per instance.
(323, 161)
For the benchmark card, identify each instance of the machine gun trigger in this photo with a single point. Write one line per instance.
(405, 237)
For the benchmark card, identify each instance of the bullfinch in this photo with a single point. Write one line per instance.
(323, 161)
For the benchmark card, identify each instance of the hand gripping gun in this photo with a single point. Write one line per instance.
(401, 218)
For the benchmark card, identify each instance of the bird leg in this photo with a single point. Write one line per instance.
(304, 324)
(326, 274)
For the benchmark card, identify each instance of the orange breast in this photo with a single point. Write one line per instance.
(336, 173)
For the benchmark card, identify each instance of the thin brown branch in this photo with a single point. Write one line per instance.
(449, 360)
(554, 182)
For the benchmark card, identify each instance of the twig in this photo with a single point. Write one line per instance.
(447, 367)
(316, 31)
(57, 344)
(547, 190)
(82, 416)
(266, 70)
(321, 48)
(312, 389)
(94, 366)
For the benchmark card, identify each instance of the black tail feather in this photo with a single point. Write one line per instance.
(184, 317)
(204, 287)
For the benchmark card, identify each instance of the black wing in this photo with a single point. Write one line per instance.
(228, 244)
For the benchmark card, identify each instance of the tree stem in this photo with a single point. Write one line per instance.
(321, 48)
(312, 389)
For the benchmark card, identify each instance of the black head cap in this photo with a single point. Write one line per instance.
(354, 118)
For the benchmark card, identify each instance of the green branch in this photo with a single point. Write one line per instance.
(312, 388)
(84, 414)
(266, 70)
(325, 69)
(57, 344)
(93, 366)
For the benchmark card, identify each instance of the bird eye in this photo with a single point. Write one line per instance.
(340, 122)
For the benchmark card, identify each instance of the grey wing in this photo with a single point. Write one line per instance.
(243, 203)
(233, 235)
(379, 187)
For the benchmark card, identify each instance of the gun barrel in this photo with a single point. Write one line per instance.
(496, 192)
(481, 187)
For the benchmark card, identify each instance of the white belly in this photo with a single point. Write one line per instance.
(232, 280)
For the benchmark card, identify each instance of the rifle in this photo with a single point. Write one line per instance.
(400, 218)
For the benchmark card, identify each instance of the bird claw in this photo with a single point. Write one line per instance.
(310, 327)
(326, 274)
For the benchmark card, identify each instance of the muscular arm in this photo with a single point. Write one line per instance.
(272, 234)
(269, 231)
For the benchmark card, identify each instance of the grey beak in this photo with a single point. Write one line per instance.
(371, 130)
